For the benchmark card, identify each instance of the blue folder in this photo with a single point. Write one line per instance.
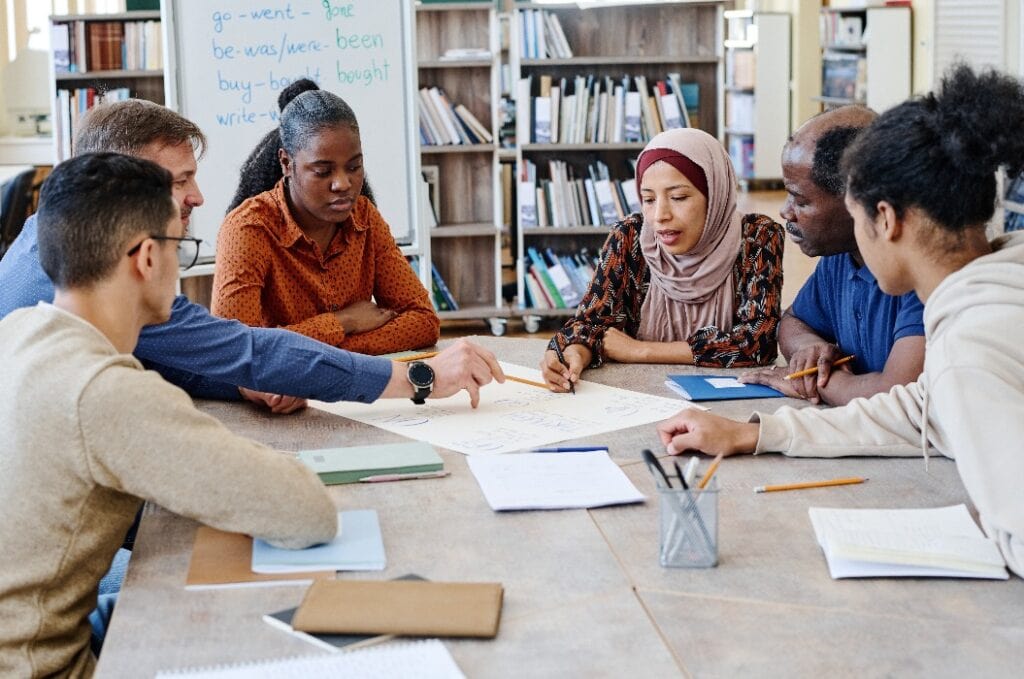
(702, 388)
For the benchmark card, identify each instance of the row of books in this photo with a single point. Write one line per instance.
(440, 296)
(541, 35)
(557, 281)
(442, 123)
(592, 109)
(72, 105)
(565, 199)
(82, 46)
(846, 30)
(844, 75)
(741, 152)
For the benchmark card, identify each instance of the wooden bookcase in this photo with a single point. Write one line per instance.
(465, 246)
(649, 40)
(757, 97)
(142, 84)
(871, 47)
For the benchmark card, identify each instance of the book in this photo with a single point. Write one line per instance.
(357, 547)
(943, 542)
(221, 559)
(348, 465)
(425, 658)
(282, 620)
(717, 388)
(409, 608)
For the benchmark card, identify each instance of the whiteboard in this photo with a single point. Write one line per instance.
(228, 60)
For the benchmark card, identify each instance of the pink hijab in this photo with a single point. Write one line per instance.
(695, 289)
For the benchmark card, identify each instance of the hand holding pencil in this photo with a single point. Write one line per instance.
(809, 370)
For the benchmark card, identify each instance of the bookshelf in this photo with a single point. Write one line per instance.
(465, 244)
(866, 56)
(672, 51)
(756, 92)
(94, 55)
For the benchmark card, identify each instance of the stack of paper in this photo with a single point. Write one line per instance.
(941, 542)
(358, 547)
(552, 481)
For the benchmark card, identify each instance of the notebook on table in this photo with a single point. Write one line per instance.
(357, 547)
(943, 542)
(221, 559)
(349, 465)
(717, 388)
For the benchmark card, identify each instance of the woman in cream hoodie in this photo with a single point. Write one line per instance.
(921, 188)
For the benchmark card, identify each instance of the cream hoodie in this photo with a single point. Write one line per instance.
(968, 404)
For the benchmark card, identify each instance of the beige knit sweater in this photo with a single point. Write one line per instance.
(85, 436)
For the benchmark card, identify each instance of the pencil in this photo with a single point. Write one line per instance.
(561, 359)
(523, 380)
(809, 484)
(711, 471)
(417, 357)
(811, 371)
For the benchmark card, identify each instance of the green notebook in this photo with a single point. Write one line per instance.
(348, 465)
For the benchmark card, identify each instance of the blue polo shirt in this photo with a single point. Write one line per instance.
(843, 303)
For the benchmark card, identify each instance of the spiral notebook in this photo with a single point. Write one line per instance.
(428, 659)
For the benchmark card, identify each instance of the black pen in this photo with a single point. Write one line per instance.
(561, 359)
(655, 467)
(679, 473)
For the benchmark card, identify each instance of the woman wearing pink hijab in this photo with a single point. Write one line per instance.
(690, 280)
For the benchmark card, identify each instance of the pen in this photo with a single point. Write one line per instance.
(569, 449)
(523, 380)
(811, 371)
(681, 475)
(379, 478)
(417, 357)
(711, 472)
(561, 359)
(809, 484)
(655, 467)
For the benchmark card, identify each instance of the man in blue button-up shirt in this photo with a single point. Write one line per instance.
(215, 358)
(840, 310)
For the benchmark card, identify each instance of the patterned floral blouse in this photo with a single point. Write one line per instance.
(620, 284)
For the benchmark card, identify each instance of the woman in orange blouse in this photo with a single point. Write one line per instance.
(315, 256)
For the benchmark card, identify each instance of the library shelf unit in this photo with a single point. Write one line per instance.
(865, 56)
(756, 93)
(616, 41)
(140, 83)
(465, 246)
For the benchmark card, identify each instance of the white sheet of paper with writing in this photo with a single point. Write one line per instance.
(511, 416)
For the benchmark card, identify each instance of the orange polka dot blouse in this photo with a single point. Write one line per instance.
(269, 274)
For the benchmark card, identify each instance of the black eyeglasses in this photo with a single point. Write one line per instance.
(188, 249)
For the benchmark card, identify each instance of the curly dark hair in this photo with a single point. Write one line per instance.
(940, 152)
(262, 170)
(828, 155)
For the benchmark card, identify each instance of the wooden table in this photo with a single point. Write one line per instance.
(584, 594)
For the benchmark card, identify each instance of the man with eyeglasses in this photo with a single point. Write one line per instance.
(215, 358)
(87, 435)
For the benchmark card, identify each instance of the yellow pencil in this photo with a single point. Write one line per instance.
(809, 484)
(523, 380)
(417, 357)
(811, 371)
(711, 472)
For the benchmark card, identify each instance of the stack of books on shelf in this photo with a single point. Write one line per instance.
(557, 281)
(83, 46)
(565, 199)
(844, 76)
(841, 30)
(541, 35)
(595, 109)
(72, 105)
(440, 296)
(442, 123)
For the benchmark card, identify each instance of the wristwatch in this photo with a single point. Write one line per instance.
(421, 376)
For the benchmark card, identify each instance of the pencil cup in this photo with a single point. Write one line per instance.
(689, 527)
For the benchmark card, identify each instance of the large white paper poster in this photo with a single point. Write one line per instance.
(511, 416)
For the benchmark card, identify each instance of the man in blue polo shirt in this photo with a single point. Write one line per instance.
(211, 357)
(840, 310)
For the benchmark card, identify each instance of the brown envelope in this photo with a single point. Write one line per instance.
(225, 559)
(409, 608)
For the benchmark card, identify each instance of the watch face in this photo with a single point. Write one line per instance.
(421, 374)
